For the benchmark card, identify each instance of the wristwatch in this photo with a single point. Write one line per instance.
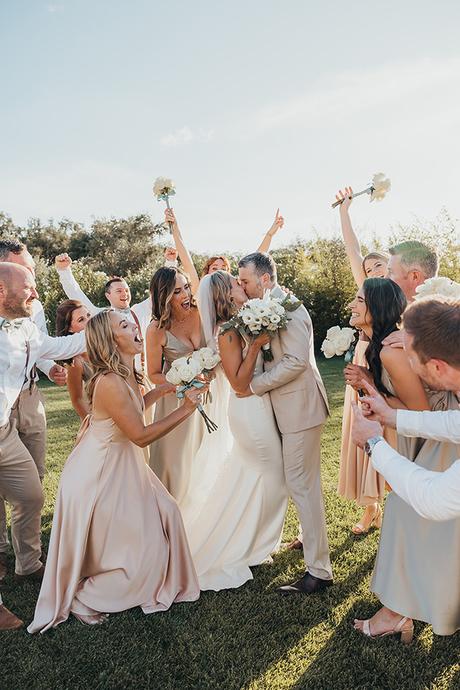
(370, 443)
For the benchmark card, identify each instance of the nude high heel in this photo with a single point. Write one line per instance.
(405, 627)
(361, 528)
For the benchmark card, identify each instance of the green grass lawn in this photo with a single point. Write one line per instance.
(249, 638)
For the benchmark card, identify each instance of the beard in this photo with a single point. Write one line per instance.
(14, 308)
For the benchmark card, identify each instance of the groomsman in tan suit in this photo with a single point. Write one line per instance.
(300, 405)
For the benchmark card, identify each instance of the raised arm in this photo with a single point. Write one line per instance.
(155, 340)
(271, 232)
(350, 239)
(184, 254)
(410, 394)
(112, 399)
(63, 264)
(239, 370)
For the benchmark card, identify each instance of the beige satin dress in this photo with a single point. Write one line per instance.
(117, 539)
(417, 570)
(358, 481)
(171, 457)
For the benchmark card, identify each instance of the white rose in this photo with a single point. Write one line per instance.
(163, 185)
(248, 318)
(272, 327)
(332, 332)
(328, 348)
(274, 318)
(381, 185)
(172, 376)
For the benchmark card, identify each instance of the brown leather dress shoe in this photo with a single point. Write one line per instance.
(36, 576)
(294, 545)
(3, 566)
(8, 621)
(308, 584)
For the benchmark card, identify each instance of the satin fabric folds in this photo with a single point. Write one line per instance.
(117, 539)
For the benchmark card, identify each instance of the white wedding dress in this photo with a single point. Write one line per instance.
(234, 511)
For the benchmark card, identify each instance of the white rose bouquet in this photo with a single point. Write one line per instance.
(266, 315)
(184, 374)
(338, 342)
(377, 190)
(438, 286)
(163, 188)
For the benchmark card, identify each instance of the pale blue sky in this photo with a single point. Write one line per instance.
(247, 105)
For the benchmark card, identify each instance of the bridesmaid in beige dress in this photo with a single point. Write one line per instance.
(175, 332)
(358, 481)
(117, 539)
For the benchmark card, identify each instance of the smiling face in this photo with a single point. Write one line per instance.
(79, 319)
(119, 294)
(375, 267)
(17, 291)
(360, 317)
(217, 265)
(126, 335)
(181, 300)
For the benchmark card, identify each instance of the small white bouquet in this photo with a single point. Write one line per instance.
(262, 315)
(338, 342)
(163, 188)
(438, 286)
(377, 190)
(184, 373)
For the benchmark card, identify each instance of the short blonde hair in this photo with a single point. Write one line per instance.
(102, 350)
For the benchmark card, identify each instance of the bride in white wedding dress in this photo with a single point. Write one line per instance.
(234, 511)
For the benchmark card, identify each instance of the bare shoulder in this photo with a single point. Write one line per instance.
(229, 338)
(392, 356)
(155, 333)
(111, 384)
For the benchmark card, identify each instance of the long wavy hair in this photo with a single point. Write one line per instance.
(64, 319)
(210, 262)
(162, 288)
(221, 288)
(385, 302)
(103, 351)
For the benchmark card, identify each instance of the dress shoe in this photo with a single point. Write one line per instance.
(8, 621)
(308, 584)
(294, 545)
(36, 576)
(3, 566)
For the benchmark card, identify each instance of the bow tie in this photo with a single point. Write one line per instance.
(126, 311)
(11, 325)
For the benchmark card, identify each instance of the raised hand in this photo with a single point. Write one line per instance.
(344, 198)
(277, 223)
(62, 261)
(170, 218)
(171, 254)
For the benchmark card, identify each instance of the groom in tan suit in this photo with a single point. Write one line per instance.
(300, 405)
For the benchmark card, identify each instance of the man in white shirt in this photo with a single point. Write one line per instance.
(431, 338)
(117, 293)
(22, 345)
(29, 410)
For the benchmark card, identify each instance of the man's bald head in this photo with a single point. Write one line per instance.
(17, 291)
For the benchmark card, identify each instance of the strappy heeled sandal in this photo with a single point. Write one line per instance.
(361, 528)
(404, 627)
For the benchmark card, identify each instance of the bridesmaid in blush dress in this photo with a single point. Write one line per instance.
(117, 539)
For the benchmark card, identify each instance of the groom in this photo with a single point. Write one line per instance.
(300, 405)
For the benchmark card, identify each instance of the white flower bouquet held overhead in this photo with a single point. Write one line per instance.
(185, 372)
(163, 188)
(377, 190)
(266, 315)
(438, 286)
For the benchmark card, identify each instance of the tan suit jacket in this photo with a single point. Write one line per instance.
(296, 389)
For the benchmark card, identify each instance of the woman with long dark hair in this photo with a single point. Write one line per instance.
(72, 317)
(376, 311)
(175, 331)
(358, 481)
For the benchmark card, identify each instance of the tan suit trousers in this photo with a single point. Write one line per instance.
(302, 469)
(28, 414)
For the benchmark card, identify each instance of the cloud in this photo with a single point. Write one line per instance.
(185, 135)
(424, 82)
(52, 8)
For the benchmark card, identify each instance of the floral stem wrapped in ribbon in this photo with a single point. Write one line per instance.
(185, 373)
(377, 190)
(266, 315)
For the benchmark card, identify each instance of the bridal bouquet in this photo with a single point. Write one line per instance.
(265, 315)
(438, 286)
(339, 341)
(377, 190)
(163, 188)
(184, 375)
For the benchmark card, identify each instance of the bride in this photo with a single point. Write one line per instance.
(235, 509)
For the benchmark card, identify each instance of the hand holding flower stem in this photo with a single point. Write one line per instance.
(377, 190)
